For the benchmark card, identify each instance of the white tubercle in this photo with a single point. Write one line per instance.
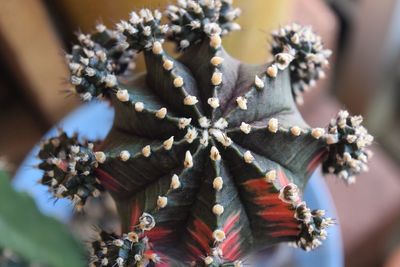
(191, 135)
(157, 48)
(110, 80)
(218, 183)
(188, 163)
(120, 262)
(221, 123)
(214, 153)
(295, 130)
(139, 106)
(317, 132)
(242, 102)
(216, 78)
(213, 102)
(245, 127)
(190, 100)
(259, 82)
(218, 209)
(168, 143)
(216, 61)
(215, 41)
(273, 125)
(204, 138)
(124, 155)
(272, 71)
(332, 139)
(100, 156)
(270, 176)
(168, 64)
(248, 157)
(219, 235)
(161, 113)
(90, 72)
(183, 122)
(204, 122)
(221, 137)
(178, 82)
(162, 202)
(208, 260)
(100, 27)
(146, 151)
(175, 182)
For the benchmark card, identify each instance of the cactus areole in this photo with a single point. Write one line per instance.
(208, 156)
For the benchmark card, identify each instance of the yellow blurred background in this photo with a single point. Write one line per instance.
(364, 77)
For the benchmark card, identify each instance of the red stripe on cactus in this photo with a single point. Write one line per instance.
(195, 252)
(135, 213)
(267, 200)
(257, 186)
(316, 161)
(231, 246)
(232, 253)
(278, 214)
(285, 233)
(286, 225)
(159, 234)
(108, 181)
(202, 234)
(230, 222)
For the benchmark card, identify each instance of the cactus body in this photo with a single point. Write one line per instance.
(208, 156)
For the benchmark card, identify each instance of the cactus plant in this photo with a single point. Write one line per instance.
(208, 156)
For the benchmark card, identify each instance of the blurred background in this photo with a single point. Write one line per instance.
(364, 77)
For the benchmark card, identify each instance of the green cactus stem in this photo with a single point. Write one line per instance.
(208, 156)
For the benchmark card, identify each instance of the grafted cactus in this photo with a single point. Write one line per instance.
(208, 156)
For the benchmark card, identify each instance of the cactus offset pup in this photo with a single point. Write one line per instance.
(208, 156)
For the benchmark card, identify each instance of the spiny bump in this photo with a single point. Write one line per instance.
(191, 135)
(248, 157)
(317, 132)
(213, 102)
(295, 130)
(218, 209)
(162, 202)
(175, 182)
(183, 122)
(100, 156)
(215, 41)
(270, 176)
(178, 82)
(216, 61)
(219, 235)
(259, 82)
(218, 183)
(242, 102)
(124, 155)
(146, 151)
(216, 78)
(273, 125)
(123, 95)
(190, 100)
(168, 64)
(214, 153)
(157, 48)
(245, 127)
(161, 113)
(188, 163)
(272, 71)
(167, 144)
(139, 106)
